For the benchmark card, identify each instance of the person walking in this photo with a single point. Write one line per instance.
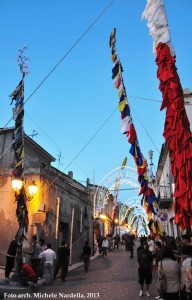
(10, 257)
(48, 256)
(42, 245)
(86, 256)
(43, 248)
(105, 245)
(62, 261)
(34, 253)
(158, 252)
(99, 242)
(170, 268)
(151, 244)
(185, 265)
(131, 244)
(156, 258)
(116, 242)
(144, 259)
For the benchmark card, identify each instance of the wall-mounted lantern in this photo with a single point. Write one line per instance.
(17, 184)
(103, 217)
(32, 189)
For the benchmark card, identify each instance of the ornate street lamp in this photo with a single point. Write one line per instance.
(103, 217)
(116, 221)
(32, 189)
(151, 158)
(17, 184)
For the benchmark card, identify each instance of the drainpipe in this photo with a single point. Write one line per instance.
(57, 218)
(71, 235)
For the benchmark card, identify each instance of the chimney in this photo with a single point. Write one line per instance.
(70, 174)
(88, 184)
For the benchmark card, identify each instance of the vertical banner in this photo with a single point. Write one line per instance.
(177, 132)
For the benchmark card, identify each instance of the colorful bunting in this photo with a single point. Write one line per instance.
(18, 114)
(127, 127)
(17, 96)
(177, 128)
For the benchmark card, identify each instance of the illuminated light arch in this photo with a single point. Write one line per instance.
(133, 201)
(138, 210)
(136, 214)
(143, 227)
(141, 231)
(135, 204)
(112, 181)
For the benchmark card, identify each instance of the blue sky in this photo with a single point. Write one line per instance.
(78, 97)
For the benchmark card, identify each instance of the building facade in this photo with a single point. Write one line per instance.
(103, 206)
(165, 180)
(61, 209)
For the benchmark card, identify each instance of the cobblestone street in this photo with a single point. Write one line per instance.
(114, 277)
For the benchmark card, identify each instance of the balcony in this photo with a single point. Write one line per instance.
(165, 203)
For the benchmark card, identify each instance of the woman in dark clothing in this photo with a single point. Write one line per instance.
(10, 257)
(62, 261)
(144, 259)
(86, 256)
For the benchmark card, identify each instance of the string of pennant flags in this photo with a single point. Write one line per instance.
(145, 177)
(17, 96)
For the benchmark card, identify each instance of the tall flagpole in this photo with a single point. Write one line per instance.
(17, 97)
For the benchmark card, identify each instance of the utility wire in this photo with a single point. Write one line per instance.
(34, 199)
(142, 98)
(145, 130)
(86, 144)
(41, 83)
(66, 54)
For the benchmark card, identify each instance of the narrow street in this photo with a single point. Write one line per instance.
(114, 277)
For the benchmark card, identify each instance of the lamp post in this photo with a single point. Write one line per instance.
(19, 186)
(150, 158)
(116, 223)
(103, 218)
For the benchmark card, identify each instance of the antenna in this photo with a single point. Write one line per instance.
(59, 160)
(34, 133)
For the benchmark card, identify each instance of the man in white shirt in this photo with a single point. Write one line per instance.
(48, 256)
(151, 244)
(105, 245)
